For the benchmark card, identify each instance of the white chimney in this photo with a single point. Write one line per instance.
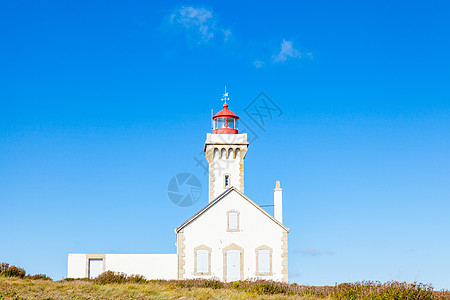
(278, 202)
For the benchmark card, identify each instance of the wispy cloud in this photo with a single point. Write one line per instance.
(201, 26)
(258, 63)
(200, 23)
(312, 252)
(287, 50)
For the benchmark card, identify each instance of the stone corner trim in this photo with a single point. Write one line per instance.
(284, 257)
(181, 254)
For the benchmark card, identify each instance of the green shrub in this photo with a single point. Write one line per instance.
(116, 277)
(38, 276)
(3, 267)
(74, 279)
(214, 284)
(378, 291)
(237, 284)
(11, 271)
(138, 278)
(263, 287)
(110, 277)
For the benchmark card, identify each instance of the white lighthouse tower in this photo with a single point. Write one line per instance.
(225, 150)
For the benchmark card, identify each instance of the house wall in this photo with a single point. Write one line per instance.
(152, 266)
(255, 230)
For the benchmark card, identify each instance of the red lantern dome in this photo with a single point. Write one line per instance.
(225, 121)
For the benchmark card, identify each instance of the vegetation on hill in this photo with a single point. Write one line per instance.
(12, 271)
(14, 284)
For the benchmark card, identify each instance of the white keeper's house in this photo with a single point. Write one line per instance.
(231, 238)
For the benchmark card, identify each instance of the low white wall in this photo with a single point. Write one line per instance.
(152, 266)
(76, 267)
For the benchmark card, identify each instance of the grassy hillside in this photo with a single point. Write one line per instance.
(27, 288)
(15, 284)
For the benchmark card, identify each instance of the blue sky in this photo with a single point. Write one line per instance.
(103, 102)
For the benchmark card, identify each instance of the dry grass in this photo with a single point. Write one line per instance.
(26, 288)
(16, 288)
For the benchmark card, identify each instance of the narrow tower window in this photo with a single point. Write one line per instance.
(226, 181)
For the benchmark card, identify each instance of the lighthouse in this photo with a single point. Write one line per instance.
(225, 150)
(231, 238)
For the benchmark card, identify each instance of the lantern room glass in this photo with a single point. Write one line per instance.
(225, 122)
(221, 123)
(230, 123)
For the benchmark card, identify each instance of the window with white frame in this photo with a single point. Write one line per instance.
(202, 260)
(233, 220)
(263, 260)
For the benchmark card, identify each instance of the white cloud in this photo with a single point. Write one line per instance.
(287, 50)
(227, 34)
(312, 251)
(200, 22)
(258, 64)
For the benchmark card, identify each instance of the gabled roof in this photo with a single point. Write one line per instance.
(220, 197)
